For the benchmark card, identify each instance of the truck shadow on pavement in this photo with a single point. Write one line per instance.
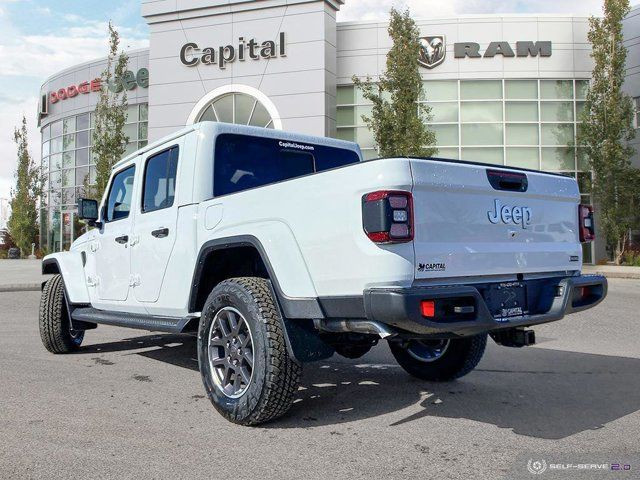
(537, 392)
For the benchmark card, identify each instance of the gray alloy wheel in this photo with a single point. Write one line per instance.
(244, 361)
(230, 348)
(439, 360)
(428, 350)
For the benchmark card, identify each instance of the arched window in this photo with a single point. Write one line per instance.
(236, 103)
(239, 108)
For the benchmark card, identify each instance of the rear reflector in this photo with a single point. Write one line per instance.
(379, 237)
(428, 308)
(387, 216)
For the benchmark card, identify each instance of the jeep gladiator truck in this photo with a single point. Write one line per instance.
(279, 249)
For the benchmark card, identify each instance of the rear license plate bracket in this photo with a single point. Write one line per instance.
(506, 300)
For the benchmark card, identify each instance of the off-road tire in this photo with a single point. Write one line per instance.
(55, 328)
(462, 356)
(276, 374)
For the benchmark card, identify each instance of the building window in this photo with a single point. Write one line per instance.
(68, 164)
(238, 108)
(528, 123)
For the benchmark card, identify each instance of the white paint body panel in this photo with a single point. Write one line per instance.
(310, 227)
(452, 203)
(150, 255)
(72, 270)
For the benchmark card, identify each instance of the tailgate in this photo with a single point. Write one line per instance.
(473, 220)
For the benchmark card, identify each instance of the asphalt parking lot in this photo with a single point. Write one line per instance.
(130, 404)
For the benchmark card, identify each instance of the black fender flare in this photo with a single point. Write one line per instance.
(50, 266)
(297, 314)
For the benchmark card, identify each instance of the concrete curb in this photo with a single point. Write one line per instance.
(625, 275)
(20, 287)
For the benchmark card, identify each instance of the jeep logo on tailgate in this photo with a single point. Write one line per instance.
(505, 214)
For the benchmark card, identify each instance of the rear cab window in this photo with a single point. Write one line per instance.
(243, 162)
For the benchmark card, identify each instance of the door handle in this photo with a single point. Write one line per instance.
(123, 239)
(160, 233)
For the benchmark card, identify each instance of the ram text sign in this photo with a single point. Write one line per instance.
(433, 50)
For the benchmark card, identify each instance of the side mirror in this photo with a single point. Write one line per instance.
(88, 211)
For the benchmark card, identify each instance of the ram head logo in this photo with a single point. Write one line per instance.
(432, 51)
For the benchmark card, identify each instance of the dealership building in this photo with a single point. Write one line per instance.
(503, 89)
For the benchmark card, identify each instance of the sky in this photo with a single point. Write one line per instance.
(41, 37)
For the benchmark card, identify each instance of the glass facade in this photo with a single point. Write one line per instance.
(521, 123)
(67, 163)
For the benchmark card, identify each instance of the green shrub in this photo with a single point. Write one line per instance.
(631, 258)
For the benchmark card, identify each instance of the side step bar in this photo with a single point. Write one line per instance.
(132, 320)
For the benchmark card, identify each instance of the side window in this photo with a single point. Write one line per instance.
(119, 200)
(159, 188)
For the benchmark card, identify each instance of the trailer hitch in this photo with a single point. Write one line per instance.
(514, 337)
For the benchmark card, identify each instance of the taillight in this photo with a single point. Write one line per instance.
(387, 216)
(428, 308)
(586, 223)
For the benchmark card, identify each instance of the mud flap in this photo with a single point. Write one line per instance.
(303, 341)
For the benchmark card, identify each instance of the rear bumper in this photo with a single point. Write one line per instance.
(555, 298)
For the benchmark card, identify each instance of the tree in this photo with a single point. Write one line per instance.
(397, 119)
(109, 140)
(606, 129)
(23, 222)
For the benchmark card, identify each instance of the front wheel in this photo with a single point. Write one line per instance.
(246, 369)
(55, 327)
(439, 360)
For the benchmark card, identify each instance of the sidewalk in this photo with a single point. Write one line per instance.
(24, 275)
(20, 275)
(613, 271)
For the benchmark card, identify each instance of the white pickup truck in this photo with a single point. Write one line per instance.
(279, 249)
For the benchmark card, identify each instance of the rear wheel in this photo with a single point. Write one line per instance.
(55, 327)
(245, 366)
(439, 360)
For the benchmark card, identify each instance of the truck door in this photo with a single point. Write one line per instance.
(154, 231)
(112, 260)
